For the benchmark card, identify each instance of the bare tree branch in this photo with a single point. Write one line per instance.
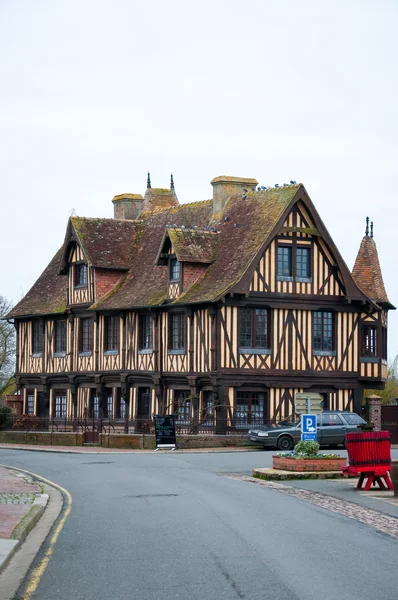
(7, 343)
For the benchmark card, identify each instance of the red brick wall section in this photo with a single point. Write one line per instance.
(105, 281)
(192, 272)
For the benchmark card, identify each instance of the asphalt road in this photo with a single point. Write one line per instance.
(175, 526)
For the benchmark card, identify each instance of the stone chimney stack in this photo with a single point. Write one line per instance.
(127, 206)
(225, 188)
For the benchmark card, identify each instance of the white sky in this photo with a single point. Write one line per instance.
(94, 93)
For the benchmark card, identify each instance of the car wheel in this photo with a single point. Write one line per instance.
(285, 443)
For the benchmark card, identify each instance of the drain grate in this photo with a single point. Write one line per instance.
(151, 495)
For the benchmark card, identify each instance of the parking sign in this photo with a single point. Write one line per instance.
(308, 428)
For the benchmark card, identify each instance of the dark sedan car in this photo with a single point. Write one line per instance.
(331, 429)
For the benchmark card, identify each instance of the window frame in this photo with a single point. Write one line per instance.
(281, 276)
(247, 421)
(60, 338)
(111, 334)
(254, 348)
(172, 263)
(30, 402)
(324, 351)
(78, 269)
(145, 331)
(181, 333)
(37, 337)
(86, 350)
(304, 278)
(369, 343)
(60, 408)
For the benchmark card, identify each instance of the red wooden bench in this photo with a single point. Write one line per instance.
(369, 456)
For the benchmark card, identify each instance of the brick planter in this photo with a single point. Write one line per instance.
(308, 464)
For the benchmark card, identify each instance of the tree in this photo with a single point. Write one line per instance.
(7, 344)
(390, 391)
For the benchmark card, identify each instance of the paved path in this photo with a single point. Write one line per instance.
(16, 498)
(156, 526)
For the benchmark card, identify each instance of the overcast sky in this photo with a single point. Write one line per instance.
(94, 93)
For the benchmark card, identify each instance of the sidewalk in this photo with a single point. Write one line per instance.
(22, 503)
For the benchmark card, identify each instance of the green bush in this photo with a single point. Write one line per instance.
(307, 448)
(5, 417)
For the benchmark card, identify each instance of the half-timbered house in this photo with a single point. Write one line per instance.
(224, 307)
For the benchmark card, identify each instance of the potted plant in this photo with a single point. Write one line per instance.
(306, 457)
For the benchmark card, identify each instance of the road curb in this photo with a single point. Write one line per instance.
(279, 475)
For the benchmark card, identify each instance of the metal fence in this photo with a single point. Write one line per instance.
(236, 426)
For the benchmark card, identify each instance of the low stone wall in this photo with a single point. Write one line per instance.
(119, 440)
(307, 464)
(41, 438)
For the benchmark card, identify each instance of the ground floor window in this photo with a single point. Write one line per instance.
(60, 404)
(249, 409)
(182, 407)
(109, 404)
(207, 407)
(30, 403)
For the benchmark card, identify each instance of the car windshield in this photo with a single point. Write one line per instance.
(353, 419)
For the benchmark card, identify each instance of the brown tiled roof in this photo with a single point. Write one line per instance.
(48, 294)
(194, 246)
(367, 271)
(244, 228)
(106, 242)
(159, 198)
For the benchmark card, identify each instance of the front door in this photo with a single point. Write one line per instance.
(42, 405)
(143, 409)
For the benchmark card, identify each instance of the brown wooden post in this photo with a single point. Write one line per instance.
(374, 410)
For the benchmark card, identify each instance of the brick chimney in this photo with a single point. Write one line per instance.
(127, 206)
(225, 188)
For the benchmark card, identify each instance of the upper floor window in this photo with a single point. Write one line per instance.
(284, 261)
(384, 343)
(369, 341)
(60, 337)
(303, 263)
(174, 270)
(323, 332)
(86, 335)
(145, 332)
(81, 275)
(254, 328)
(111, 333)
(177, 332)
(37, 337)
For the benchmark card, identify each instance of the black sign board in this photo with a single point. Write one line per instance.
(165, 430)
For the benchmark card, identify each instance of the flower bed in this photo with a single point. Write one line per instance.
(306, 457)
(318, 463)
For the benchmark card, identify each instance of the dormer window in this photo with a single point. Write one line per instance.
(174, 270)
(81, 275)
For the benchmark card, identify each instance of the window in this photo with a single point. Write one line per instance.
(384, 343)
(323, 332)
(145, 342)
(86, 335)
(60, 404)
(37, 337)
(111, 334)
(60, 337)
(254, 328)
(208, 407)
(182, 407)
(284, 261)
(249, 409)
(177, 332)
(81, 275)
(331, 420)
(369, 341)
(174, 270)
(303, 263)
(30, 403)
(96, 407)
(110, 404)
